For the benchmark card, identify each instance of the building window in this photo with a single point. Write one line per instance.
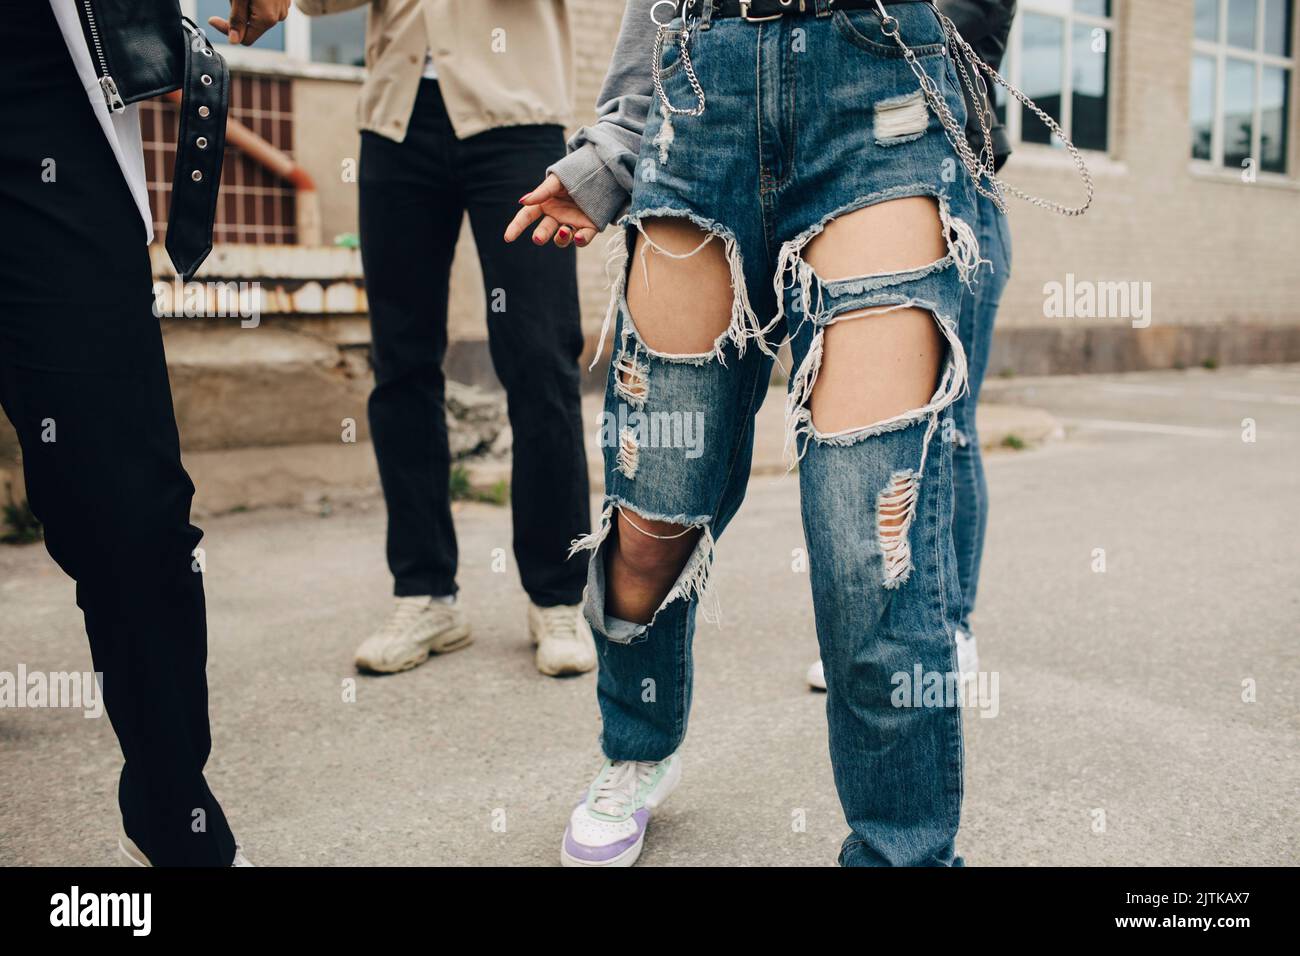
(338, 38)
(1242, 64)
(1059, 55)
(272, 39)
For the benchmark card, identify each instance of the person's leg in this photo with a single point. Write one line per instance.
(83, 379)
(410, 215)
(872, 383)
(102, 466)
(686, 377)
(881, 240)
(979, 309)
(677, 431)
(535, 337)
(411, 210)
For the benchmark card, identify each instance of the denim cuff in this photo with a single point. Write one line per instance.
(592, 184)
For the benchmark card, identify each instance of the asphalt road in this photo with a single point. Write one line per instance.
(1121, 737)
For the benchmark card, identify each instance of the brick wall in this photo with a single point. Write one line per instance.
(1217, 251)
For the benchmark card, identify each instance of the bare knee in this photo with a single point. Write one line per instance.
(679, 289)
(653, 550)
(878, 362)
(876, 366)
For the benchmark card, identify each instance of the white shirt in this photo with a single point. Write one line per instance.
(121, 129)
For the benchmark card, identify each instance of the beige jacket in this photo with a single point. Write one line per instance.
(500, 62)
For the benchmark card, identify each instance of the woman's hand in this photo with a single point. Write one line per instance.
(560, 216)
(249, 19)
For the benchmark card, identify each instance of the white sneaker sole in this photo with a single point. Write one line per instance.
(624, 859)
(452, 641)
(653, 801)
(816, 675)
(566, 668)
(132, 852)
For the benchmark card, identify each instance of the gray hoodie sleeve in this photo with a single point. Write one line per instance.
(598, 170)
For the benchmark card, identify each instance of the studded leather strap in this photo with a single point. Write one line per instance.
(770, 9)
(200, 148)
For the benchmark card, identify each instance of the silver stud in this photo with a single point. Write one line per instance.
(201, 142)
(196, 176)
(204, 111)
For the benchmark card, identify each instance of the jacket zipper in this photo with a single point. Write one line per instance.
(106, 82)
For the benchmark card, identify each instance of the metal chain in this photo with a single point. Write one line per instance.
(687, 65)
(980, 95)
(1084, 173)
(955, 134)
(981, 168)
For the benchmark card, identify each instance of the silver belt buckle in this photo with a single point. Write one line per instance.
(744, 12)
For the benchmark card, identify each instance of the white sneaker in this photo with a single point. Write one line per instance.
(968, 662)
(608, 827)
(137, 857)
(968, 659)
(419, 626)
(563, 639)
(817, 675)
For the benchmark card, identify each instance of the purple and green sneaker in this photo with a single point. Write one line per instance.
(608, 827)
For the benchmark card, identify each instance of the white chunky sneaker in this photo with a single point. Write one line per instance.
(419, 626)
(968, 659)
(137, 857)
(563, 639)
(608, 827)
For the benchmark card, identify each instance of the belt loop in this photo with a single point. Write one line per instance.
(706, 14)
(823, 7)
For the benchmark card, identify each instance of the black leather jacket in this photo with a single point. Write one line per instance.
(142, 49)
(985, 25)
(137, 47)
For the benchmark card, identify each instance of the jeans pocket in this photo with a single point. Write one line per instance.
(862, 28)
(670, 56)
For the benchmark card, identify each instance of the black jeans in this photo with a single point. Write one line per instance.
(413, 197)
(84, 381)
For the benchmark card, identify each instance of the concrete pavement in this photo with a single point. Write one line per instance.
(1122, 735)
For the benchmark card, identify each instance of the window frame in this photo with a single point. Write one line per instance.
(1015, 57)
(295, 59)
(1220, 51)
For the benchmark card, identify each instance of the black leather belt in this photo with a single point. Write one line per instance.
(759, 10)
(200, 148)
(143, 49)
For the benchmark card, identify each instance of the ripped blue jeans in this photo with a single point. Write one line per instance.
(807, 119)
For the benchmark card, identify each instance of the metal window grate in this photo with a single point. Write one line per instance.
(255, 206)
